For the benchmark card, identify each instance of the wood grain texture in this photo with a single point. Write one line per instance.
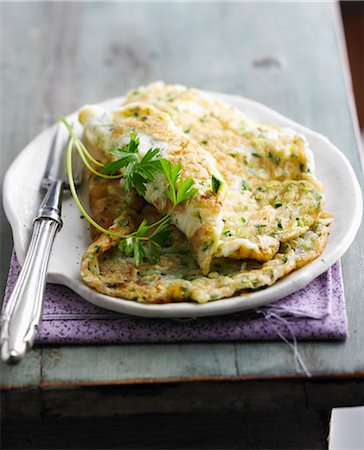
(26, 375)
(173, 431)
(285, 55)
(136, 362)
(275, 395)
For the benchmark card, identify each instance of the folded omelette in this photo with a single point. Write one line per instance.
(265, 220)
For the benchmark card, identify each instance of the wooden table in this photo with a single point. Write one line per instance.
(58, 56)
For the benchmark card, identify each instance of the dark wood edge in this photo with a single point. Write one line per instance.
(131, 381)
(343, 53)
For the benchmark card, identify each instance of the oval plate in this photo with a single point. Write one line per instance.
(22, 196)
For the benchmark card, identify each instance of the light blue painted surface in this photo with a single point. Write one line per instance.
(58, 56)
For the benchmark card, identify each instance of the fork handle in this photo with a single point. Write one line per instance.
(23, 312)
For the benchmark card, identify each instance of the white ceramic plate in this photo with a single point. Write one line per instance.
(22, 196)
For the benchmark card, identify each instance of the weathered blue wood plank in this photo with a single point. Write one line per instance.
(285, 55)
(24, 376)
(131, 363)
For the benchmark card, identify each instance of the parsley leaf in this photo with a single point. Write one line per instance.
(132, 245)
(142, 229)
(112, 168)
(161, 234)
(139, 251)
(158, 239)
(137, 172)
(154, 251)
(183, 191)
(126, 246)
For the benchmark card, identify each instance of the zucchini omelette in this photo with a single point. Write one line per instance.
(255, 213)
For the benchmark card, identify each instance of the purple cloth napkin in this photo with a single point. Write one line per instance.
(314, 312)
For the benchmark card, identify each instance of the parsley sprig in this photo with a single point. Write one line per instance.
(133, 245)
(178, 191)
(148, 240)
(137, 172)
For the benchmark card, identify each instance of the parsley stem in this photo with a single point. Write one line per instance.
(161, 223)
(89, 167)
(84, 153)
(76, 198)
(79, 142)
(162, 219)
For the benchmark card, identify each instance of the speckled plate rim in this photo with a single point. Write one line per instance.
(343, 199)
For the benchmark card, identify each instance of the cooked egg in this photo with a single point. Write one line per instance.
(265, 221)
